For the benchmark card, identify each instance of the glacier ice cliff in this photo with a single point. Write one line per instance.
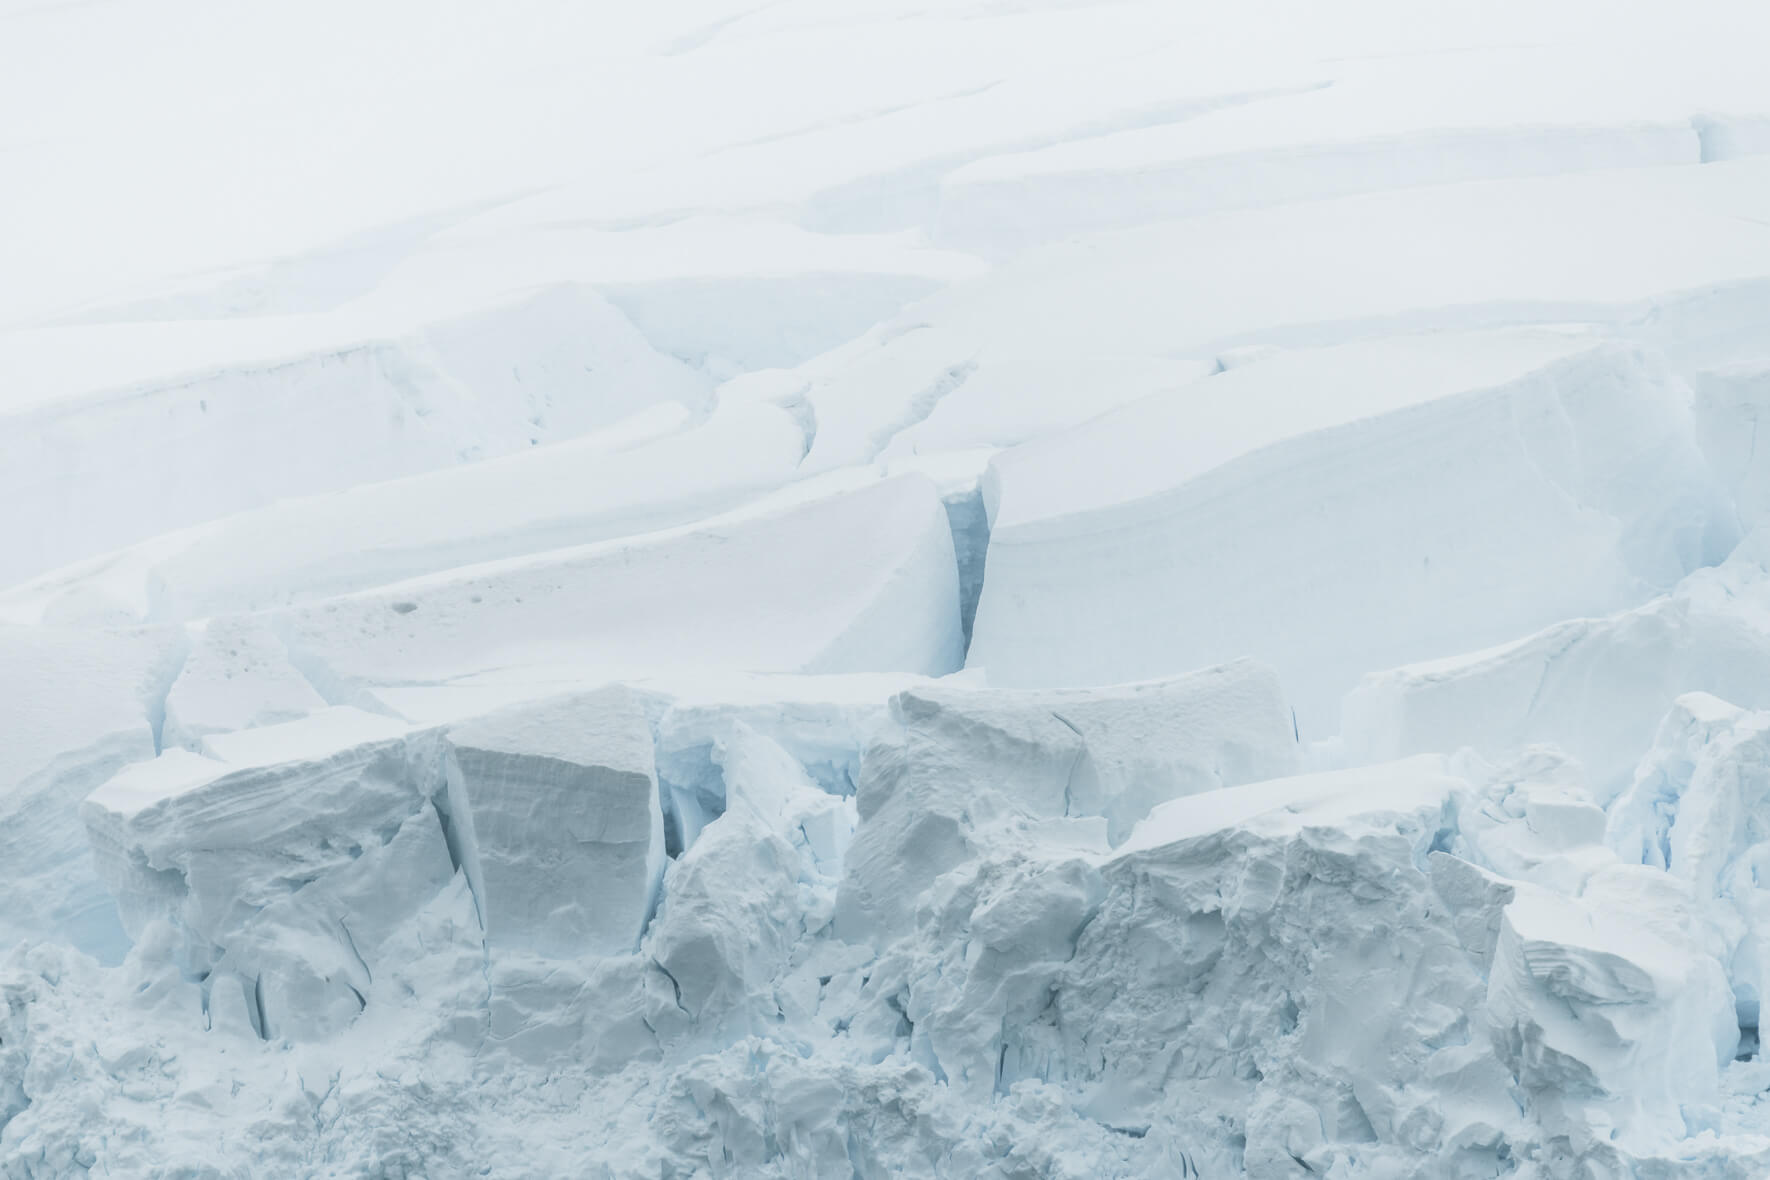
(808, 589)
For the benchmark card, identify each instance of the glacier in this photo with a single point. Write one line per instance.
(1011, 589)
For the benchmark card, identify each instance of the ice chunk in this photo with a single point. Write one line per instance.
(1610, 1008)
(729, 918)
(1207, 505)
(1696, 810)
(824, 722)
(751, 887)
(1262, 953)
(1536, 822)
(556, 809)
(966, 762)
(288, 872)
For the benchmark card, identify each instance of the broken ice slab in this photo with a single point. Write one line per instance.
(1613, 1001)
(556, 808)
(287, 868)
(1695, 809)
(963, 764)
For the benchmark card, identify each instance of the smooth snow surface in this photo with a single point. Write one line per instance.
(1002, 590)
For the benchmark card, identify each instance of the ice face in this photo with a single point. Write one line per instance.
(792, 591)
(1588, 465)
(556, 812)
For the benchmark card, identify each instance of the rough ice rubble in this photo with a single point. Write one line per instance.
(1694, 810)
(1196, 1000)
(967, 770)
(1193, 1000)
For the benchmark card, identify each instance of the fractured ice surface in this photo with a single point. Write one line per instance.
(835, 588)
(968, 769)
(279, 873)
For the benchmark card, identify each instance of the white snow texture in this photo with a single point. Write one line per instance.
(807, 589)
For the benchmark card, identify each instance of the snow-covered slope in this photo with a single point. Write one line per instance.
(819, 588)
(1327, 509)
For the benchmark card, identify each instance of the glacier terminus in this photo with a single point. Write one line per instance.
(825, 589)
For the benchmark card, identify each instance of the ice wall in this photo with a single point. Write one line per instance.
(804, 590)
